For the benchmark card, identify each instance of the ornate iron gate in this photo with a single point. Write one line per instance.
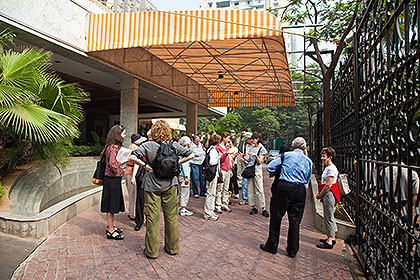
(376, 132)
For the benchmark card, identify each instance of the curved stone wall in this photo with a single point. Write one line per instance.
(43, 186)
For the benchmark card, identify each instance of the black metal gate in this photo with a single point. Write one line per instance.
(376, 132)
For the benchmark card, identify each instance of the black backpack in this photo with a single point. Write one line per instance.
(209, 171)
(165, 165)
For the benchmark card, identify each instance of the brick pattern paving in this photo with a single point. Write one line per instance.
(225, 249)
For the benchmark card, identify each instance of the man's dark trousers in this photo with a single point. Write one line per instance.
(288, 197)
(139, 216)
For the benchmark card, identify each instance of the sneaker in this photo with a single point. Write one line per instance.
(185, 212)
(246, 201)
(236, 196)
(211, 218)
(196, 196)
(253, 211)
(227, 209)
(265, 214)
(218, 211)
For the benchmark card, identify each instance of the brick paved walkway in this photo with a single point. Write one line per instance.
(226, 249)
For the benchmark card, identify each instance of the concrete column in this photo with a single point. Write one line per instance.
(191, 118)
(129, 100)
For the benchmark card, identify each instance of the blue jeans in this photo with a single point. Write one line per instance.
(244, 186)
(197, 175)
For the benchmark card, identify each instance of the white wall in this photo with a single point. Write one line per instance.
(63, 19)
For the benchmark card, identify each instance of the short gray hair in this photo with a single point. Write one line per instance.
(299, 142)
(185, 141)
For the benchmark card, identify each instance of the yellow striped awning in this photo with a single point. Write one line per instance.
(238, 55)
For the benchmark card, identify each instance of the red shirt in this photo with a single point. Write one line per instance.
(224, 160)
(113, 167)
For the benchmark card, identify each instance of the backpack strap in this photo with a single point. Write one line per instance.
(277, 173)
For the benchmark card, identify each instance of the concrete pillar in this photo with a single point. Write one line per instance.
(191, 118)
(129, 100)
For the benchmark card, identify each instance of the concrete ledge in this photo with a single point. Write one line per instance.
(344, 228)
(51, 218)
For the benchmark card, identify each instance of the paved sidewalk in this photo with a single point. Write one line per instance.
(226, 249)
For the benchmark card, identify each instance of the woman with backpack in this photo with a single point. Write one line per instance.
(160, 186)
(112, 201)
(211, 163)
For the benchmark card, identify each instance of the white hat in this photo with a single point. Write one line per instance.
(299, 142)
(185, 141)
(247, 135)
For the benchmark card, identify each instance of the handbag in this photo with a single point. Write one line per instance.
(220, 177)
(343, 184)
(98, 176)
(249, 171)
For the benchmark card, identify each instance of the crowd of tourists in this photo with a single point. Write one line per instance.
(162, 169)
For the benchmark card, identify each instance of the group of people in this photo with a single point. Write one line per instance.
(148, 193)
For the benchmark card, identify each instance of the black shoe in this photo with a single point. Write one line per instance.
(203, 195)
(325, 240)
(131, 218)
(265, 249)
(167, 251)
(265, 214)
(291, 255)
(144, 253)
(324, 245)
(137, 227)
(253, 211)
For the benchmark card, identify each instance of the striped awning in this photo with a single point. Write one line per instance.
(223, 50)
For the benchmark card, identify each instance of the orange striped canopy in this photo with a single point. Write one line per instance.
(238, 55)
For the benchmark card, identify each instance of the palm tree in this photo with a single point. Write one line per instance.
(35, 103)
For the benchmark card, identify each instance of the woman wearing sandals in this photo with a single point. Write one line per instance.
(330, 196)
(112, 199)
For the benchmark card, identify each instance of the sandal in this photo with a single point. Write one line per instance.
(114, 235)
(325, 240)
(118, 230)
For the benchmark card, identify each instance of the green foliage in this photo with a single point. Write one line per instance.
(229, 122)
(35, 103)
(334, 15)
(204, 123)
(1, 190)
(39, 112)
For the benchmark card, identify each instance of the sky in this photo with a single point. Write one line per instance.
(172, 5)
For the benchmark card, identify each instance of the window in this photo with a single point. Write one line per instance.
(223, 4)
(210, 4)
(236, 3)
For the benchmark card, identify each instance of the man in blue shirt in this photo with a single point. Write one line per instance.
(288, 194)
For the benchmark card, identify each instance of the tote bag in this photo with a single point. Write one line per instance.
(343, 184)
(98, 176)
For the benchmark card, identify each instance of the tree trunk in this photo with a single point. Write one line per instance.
(326, 123)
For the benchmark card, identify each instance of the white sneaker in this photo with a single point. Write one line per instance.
(212, 217)
(185, 212)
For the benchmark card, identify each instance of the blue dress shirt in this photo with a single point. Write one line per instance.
(297, 168)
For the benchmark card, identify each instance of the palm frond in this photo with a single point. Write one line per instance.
(11, 95)
(37, 123)
(20, 69)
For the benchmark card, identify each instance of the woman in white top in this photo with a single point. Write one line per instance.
(329, 195)
(209, 214)
(255, 155)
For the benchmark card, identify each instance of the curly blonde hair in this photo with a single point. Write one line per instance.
(161, 131)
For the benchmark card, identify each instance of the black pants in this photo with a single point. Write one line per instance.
(233, 184)
(139, 216)
(288, 197)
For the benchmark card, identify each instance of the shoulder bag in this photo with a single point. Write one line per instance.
(98, 176)
(249, 171)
